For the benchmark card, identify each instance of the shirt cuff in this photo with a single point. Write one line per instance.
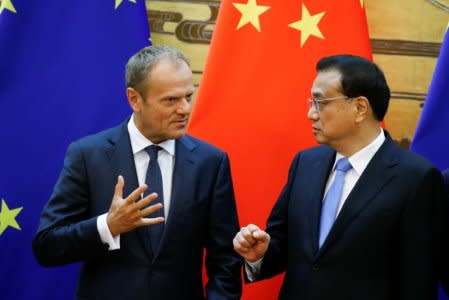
(105, 234)
(252, 269)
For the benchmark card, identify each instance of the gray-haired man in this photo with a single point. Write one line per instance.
(173, 198)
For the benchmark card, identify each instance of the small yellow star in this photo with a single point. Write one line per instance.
(308, 25)
(7, 4)
(118, 2)
(8, 217)
(250, 13)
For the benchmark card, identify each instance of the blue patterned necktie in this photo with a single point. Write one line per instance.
(153, 180)
(332, 199)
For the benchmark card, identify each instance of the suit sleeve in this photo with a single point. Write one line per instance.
(420, 238)
(223, 264)
(275, 259)
(67, 233)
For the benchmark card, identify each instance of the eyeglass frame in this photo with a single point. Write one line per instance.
(315, 103)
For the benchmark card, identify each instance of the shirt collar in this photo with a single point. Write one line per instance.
(139, 142)
(361, 158)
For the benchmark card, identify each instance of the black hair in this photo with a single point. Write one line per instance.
(360, 77)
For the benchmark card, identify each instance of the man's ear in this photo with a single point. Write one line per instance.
(134, 99)
(362, 108)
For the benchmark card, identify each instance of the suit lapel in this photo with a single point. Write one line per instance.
(320, 172)
(181, 185)
(121, 158)
(376, 175)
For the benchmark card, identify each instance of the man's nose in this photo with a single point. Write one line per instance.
(185, 107)
(312, 113)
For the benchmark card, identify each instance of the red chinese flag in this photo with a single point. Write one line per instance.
(252, 100)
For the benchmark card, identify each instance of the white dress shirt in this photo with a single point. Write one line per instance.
(359, 162)
(166, 160)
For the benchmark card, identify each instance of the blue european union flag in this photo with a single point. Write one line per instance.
(431, 137)
(61, 77)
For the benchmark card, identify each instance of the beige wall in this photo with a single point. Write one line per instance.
(405, 36)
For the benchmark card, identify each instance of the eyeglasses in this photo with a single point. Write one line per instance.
(316, 103)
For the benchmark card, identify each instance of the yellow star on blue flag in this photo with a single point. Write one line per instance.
(8, 217)
(118, 2)
(64, 35)
(7, 4)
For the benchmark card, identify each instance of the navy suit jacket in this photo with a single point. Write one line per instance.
(381, 246)
(445, 241)
(446, 181)
(202, 215)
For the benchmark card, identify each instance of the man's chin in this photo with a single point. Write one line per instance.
(177, 134)
(319, 138)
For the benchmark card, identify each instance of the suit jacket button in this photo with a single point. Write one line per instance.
(315, 268)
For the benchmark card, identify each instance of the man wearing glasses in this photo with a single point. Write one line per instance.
(357, 217)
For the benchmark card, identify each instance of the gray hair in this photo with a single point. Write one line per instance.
(140, 64)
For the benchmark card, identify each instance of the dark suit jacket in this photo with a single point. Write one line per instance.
(446, 181)
(202, 215)
(445, 240)
(382, 245)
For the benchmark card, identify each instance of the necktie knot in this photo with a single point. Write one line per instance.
(153, 151)
(343, 165)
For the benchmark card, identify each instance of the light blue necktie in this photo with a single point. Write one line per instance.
(332, 199)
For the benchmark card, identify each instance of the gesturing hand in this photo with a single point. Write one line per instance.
(127, 214)
(251, 243)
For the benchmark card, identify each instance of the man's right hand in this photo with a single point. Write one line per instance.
(251, 243)
(127, 214)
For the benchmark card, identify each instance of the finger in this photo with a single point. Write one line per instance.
(135, 195)
(244, 242)
(118, 193)
(145, 201)
(150, 209)
(252, 227)
(261, 236)
(247, 234)
(239, 247)
(151, 221)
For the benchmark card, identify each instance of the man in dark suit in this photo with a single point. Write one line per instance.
(356, 217)
(173, 197)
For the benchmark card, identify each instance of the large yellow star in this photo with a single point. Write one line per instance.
(8, 217)
(308, 25)
(250, 13)
(118, 2)
(7, 4)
